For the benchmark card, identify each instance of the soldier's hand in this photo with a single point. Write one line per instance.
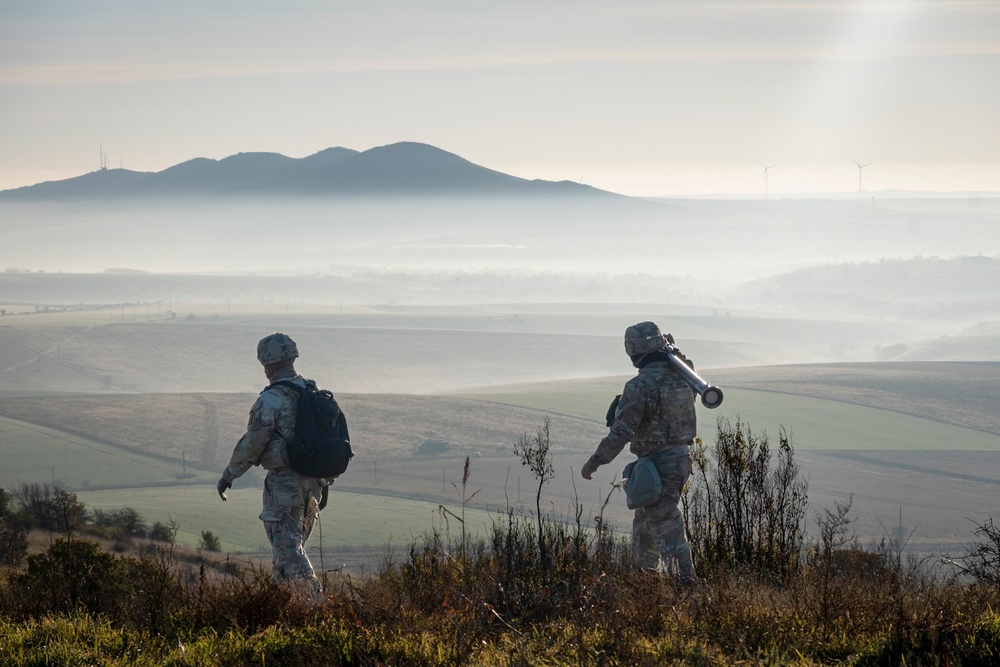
(323, 498)
(588, 469)
(222, 486)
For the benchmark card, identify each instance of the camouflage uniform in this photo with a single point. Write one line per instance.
(291, 500)
(656, 415)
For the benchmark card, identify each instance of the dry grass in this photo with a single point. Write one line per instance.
(495, 601)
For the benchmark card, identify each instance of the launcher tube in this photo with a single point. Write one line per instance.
(711, 396)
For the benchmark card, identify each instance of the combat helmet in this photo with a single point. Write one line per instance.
(276, 347)
(643, 338)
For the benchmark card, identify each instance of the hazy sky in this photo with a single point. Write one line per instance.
(648, 97)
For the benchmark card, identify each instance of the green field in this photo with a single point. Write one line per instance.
(351, 520)
(36, 454)
(813, 422)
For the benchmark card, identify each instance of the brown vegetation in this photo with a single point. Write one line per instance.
(533, 590)
(495, 601)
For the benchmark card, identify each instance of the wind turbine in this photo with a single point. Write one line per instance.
(860, 167)
(766, 167)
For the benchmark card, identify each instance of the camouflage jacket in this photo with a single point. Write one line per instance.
(270, 427)
(656, 411)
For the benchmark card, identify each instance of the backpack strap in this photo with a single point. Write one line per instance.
(288, 383)
(285, 383)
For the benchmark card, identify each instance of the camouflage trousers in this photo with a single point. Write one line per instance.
(658, 530)
(291, 505)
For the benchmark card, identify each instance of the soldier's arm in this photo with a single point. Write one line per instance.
(628, 416)
(251, 446)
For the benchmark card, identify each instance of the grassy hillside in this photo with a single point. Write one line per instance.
(961, 393)
(352, 523)
(210, 346)
(816, 423)
(384, 427)
(33, 453)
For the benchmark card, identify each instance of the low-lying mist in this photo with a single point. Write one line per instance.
(925, 268)
(720, 242)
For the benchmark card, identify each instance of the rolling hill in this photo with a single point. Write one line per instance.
(405, 168)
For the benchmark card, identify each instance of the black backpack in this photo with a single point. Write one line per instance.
(322, 445)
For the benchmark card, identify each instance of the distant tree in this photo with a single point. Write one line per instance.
(164, 532)
(535, 452)
(126, 519)
(131, 522)
(209, 541)
(13, 534)
(70, 512)
(35, 503)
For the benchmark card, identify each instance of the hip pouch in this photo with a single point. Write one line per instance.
(642, 483)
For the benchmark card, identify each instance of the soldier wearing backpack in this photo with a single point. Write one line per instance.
(655, 412)
(292, 500)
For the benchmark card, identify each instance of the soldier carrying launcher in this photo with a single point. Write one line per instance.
(656, 413)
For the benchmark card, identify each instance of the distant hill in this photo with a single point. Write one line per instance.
(957, 289)
(405, 168)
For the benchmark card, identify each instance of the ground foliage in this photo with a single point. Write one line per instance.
(499, 603)
(560, 591)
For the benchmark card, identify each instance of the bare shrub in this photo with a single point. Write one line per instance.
(982, 558)
(70, 513)
(828, 557)
(741, 507)
(535, 453)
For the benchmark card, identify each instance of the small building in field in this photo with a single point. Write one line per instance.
(433, 447)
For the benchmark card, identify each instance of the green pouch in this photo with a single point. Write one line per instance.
(643, 485)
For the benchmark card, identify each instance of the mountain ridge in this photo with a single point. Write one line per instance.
(403, 168)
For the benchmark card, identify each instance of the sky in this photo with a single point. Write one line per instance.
(655, 98)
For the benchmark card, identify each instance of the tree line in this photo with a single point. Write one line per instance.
(34, 506)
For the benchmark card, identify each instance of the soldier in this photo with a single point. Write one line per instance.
(291, 501)
(656, 414)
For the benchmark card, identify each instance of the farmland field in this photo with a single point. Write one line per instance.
(815, 423)
(33, 453)
(353, 523)
(210, 347)
(960, 392)
(942, 477)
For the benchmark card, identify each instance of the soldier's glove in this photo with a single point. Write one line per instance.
(222, 486)
(323, 498)
(589, 468)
